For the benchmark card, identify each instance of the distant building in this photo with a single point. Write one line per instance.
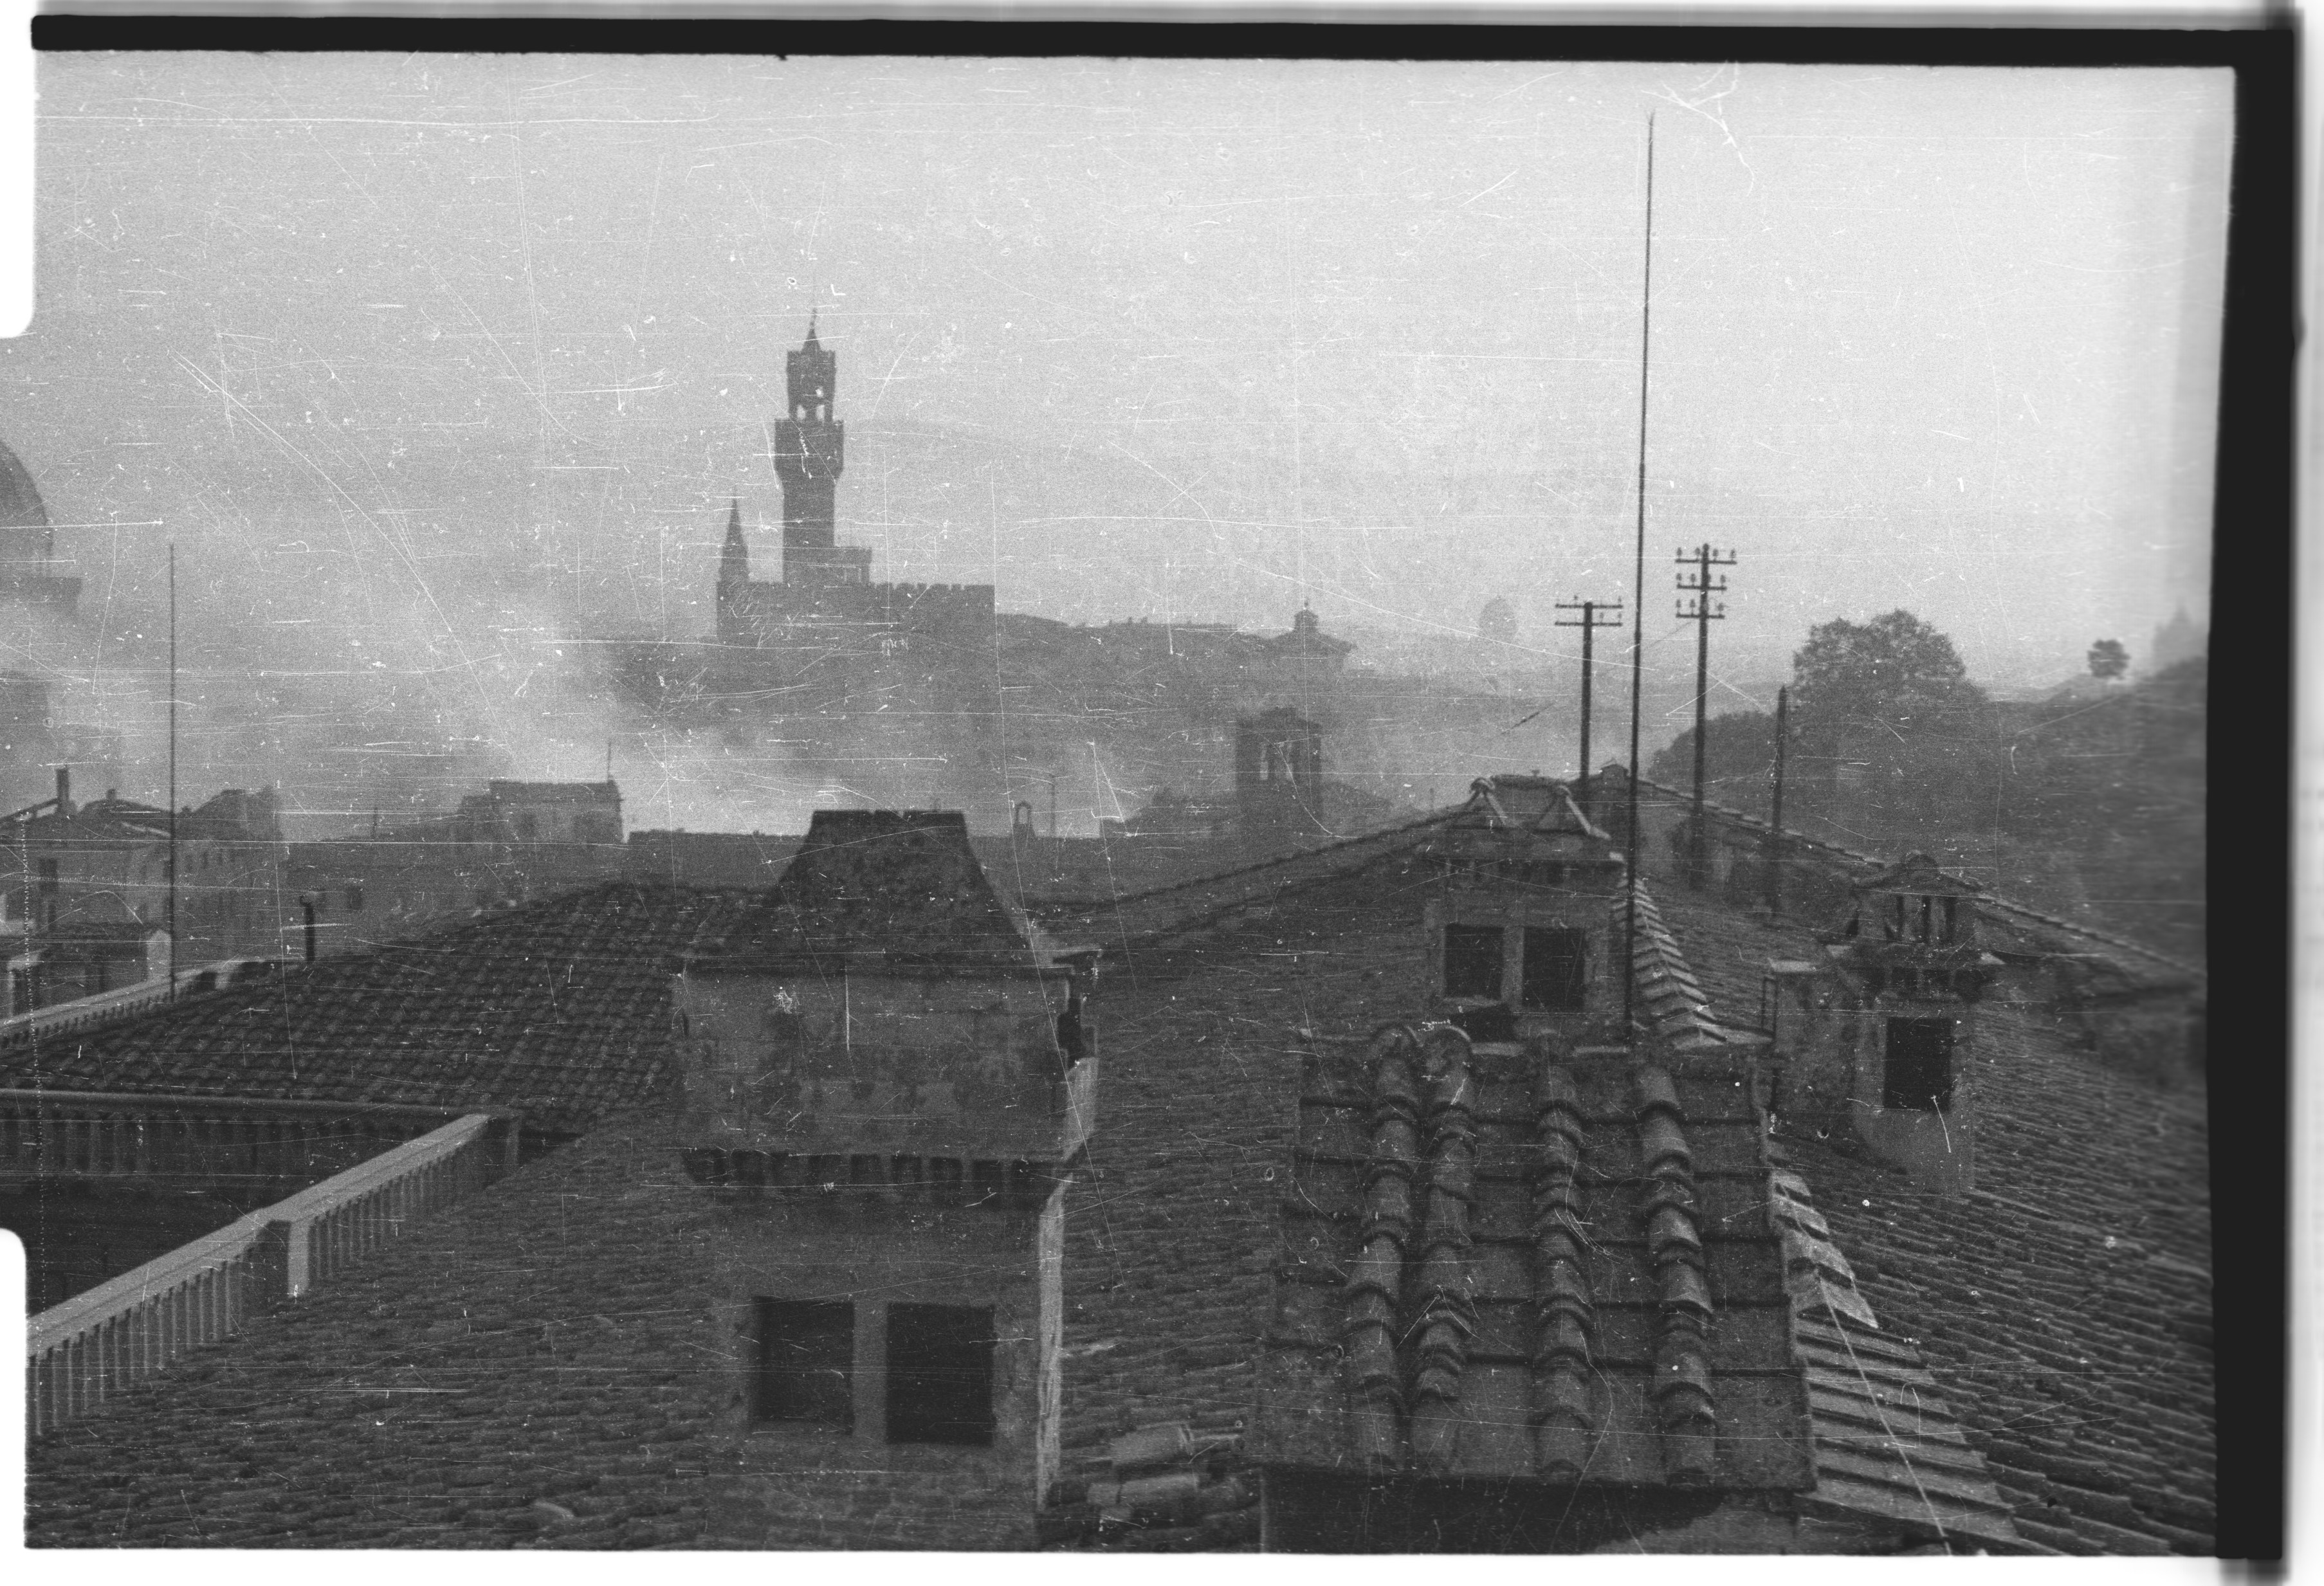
(909, 690)
(82, 958)
(1281, 800)
(2176, 640)
(540, 812)
(822, 613)
(66, 866)
(28, 574)
(513, 842)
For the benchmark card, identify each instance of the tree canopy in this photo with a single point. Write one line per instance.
(2109, 660)
(1497, 621)
(1890, 666)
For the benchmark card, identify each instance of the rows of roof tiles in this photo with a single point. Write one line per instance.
(559, 1010)
(1872, 1461)
(1168, 912)
(1886, 1443)
(2063, 1305)
(539, 1365)
(1171, 1235)
(903, 882)
(1560, 1271)
(1669, 996)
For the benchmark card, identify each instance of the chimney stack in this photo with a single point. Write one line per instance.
(64, 791)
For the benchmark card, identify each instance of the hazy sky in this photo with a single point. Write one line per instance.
(442, 358)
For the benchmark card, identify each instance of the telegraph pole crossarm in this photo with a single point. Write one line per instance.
(1702, 611)
(1594, 616)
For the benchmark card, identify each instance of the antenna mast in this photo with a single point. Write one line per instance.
(173, 769)
(1638, 605)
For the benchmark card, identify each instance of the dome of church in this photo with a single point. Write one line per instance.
(20, 499)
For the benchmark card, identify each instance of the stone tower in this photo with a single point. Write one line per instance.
(734, 560)
(810, 451)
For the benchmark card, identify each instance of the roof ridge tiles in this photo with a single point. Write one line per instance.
(1447, 1314)
(1685, 1407)
(1564, 1418)
(1375, 1278)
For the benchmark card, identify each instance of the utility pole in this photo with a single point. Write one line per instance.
(1775, 836)
(1593, 617)
(1699, 611)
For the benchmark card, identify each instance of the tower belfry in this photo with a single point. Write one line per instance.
(810, 453)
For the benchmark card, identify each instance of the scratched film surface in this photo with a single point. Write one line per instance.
(1111, 804)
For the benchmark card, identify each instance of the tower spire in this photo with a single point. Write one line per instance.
(734, 560)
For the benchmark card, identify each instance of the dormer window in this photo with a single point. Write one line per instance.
(1472, 961)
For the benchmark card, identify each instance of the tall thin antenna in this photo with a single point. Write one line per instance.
(1638, 605)
(1776, 823)
(173, 769)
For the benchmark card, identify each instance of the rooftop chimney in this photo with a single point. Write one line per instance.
(64, 791)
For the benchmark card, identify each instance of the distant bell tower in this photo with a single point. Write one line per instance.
(734, 560)
(810, 448)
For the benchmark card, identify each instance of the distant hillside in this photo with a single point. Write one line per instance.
(2090, 807)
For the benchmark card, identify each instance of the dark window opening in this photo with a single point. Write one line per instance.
(1920, 1066)
(354, 900)
(1472, 961)
(1557, 969)
(807, 1361)
(940, 1374)
(47, 876)
(1953, 917)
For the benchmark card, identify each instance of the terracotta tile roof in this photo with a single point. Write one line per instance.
(1670, 1000)
(2010, 923)
(902, 883)
(1570, 1263)
(2062, 1307)
(559, 1010)
(2059, 1315)
(1888, 1445)
(1207, 902)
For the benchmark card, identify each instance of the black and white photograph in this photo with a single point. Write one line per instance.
(1114, 802)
